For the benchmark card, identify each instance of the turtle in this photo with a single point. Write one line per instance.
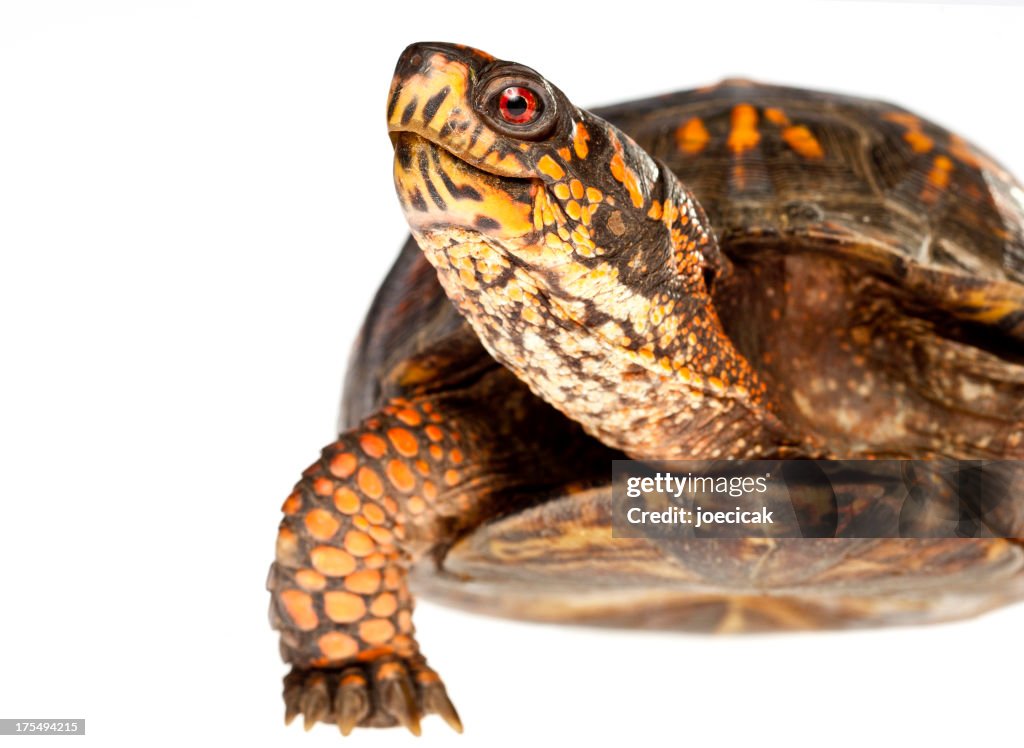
(742, 270)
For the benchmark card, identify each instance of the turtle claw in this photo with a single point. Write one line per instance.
(436, 701)
(385, 692)
(351, 700)
(314, 701)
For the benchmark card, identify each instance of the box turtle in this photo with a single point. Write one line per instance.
(742, 270)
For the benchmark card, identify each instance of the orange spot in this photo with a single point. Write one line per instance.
(369, 483)
(292, 504)
(287, 552)
(323, 486)
(353, 679)
(939, 175)
(692, 136)
(655, 212)
(384, 605)
(405, 443)
(374, 514)
(374, 653)
(400, 476)
(451, 477)
(576, 188)
(404, 646)
(321, 524)
(376, 631)
(580, 137)
(427, 676)
(361, 522)
(564, 153)
(343, 607)
(381, 534)
(337, 646)
(434, 433)
(561, 191)
(332, 562)
(744, 135)
(365, 582)
(299, 606)
(550, 167)
(405, 621)
(415, 505)
(311, 580)
(429, 490)
(436, 452)
(776, 116)
(391, 578)
(903, 118)
(919, 142)
(359, 543)
(456, 456)
(343, 465)
(346, 501)
(373, 445)
(390, 506)
(390, 670)
(625, 175)
(409, 417)
(375, 561)
(801, 140)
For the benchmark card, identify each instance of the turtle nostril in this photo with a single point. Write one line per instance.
(416, 60)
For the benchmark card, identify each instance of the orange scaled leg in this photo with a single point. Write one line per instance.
(367, 508)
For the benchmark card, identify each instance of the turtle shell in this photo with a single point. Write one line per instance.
(815, 197)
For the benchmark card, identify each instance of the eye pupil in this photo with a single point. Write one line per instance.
(518, 105)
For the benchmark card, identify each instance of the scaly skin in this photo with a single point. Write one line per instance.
(404, 482)
(367, 508)
(581, 264)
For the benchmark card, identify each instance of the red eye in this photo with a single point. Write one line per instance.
(518, 105)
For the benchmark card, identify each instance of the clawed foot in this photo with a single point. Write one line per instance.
(383, 693)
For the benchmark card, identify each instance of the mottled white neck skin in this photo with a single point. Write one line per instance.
(656, 401)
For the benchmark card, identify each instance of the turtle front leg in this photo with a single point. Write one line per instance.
(374, 502)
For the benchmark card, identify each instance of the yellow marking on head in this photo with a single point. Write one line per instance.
(744, 135)
(550, 167)
(564, 153)
(776, 116)
(802, 140)
(561, 191)
(692, 136)
(594, 195)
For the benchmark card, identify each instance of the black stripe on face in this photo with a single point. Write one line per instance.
(434, 103)
(409, 111)
(465, 192)
(394, 102)
(417, 201)
(425, 173)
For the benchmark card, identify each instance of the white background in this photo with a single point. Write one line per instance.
(195, 209)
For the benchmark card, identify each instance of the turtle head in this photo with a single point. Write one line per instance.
(491, 151)
(556, 235)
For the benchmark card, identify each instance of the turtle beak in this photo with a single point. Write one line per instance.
(430, 79)
(431, 96)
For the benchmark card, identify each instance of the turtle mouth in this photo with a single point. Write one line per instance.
(439, 190)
